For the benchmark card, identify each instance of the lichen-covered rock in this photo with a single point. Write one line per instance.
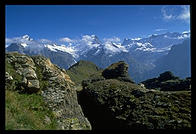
(8, 78)
(33, 84)
(24, 76)
(38, 75)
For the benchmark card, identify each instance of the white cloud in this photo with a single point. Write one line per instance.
(165, 14)
(87, 38)
(136, 39)
(185, 14)
(66, 39)
(114, 40)
(45, 41)
(158, 30)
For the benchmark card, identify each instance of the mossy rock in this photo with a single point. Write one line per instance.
(128, 106)
(119, 69)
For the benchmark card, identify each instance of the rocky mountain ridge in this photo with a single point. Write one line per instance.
(141, 53)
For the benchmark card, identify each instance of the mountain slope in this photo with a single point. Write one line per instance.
(59, 57)
(178, 60)
(82, 70)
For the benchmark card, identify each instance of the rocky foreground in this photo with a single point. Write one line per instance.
(38, 75)
(109, 99)
(122, 104)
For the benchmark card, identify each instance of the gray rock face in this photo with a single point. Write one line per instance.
(8, 77)
(33, 84)
(29, 73)
(39, 74)
(61, 96)
(24, 66)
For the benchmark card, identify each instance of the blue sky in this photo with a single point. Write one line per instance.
(53, 22)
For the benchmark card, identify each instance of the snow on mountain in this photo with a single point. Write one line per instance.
(63, 48)
(155, 42)
(92, 43)
(85, 44)
(24, 44)
(113, 48)
(27, 37)
(139, 53)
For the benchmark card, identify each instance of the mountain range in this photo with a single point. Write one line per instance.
(145, 56)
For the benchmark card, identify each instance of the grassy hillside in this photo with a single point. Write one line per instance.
(81, 71)
(27, 112)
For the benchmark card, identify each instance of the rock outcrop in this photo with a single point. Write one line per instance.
(38, 75)
(117, 70)
(168, 82)
(126, 105)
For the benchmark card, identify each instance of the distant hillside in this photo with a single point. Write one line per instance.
(82, 70)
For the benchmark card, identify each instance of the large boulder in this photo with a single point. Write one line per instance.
(117, 70)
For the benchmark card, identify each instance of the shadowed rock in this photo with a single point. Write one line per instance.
(125, 105)
(168, 82)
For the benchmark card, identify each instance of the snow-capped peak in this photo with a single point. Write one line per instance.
(27, 37)
(156, 42)
(113, 48)
(24, 44)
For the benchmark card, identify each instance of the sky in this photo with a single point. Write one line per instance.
(55, 22)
